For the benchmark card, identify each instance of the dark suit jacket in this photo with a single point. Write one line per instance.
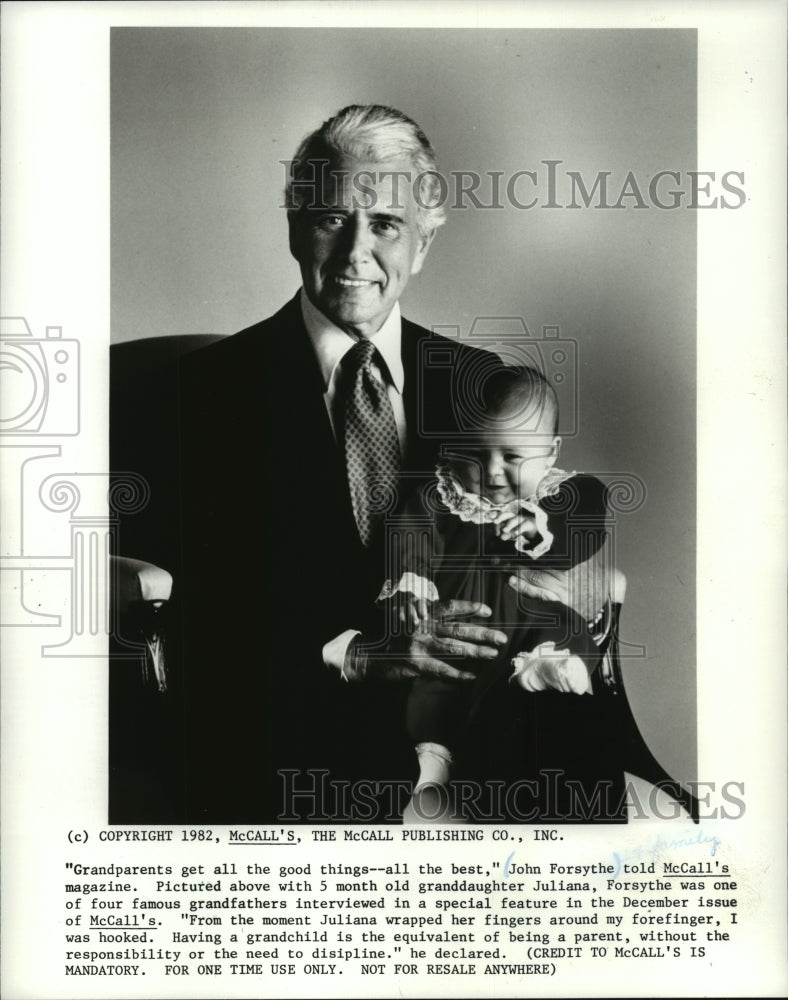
(272, 568)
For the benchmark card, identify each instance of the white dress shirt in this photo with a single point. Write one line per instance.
(331, 344)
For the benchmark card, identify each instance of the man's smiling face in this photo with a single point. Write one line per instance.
(359, 244)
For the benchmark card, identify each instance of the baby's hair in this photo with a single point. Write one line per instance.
(516, 395)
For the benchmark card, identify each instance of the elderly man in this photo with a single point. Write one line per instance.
(301, 434)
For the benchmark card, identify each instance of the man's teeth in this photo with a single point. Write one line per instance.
(351, 282)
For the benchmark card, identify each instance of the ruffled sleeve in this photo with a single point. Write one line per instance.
(411, 584)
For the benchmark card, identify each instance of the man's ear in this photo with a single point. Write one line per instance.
(294, 228)
(556, 450)
(421, 253)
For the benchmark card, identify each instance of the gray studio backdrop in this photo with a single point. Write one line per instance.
(201, 117)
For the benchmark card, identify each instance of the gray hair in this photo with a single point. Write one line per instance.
(377, 134)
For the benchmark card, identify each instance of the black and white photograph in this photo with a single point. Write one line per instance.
(529, 199)
(392, 437)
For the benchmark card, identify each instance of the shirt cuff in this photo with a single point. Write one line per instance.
(335, 651)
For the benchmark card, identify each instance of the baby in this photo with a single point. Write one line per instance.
(503, 506)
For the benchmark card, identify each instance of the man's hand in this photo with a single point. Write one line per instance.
(583, 588)
(423, 651)
(542, 584)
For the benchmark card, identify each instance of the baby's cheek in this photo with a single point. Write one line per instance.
(468, 476)
(527, 481)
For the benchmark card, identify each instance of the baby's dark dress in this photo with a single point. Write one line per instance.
(498, 732)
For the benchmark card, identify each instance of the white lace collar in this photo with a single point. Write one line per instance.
(475, 509)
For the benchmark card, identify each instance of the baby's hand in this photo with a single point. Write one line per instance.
(551, 669)
(519, 524)
(522, 526)
(413, 611)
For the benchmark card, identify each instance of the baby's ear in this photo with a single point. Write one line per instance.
(556, 450)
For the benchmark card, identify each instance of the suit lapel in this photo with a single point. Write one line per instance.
(429, 363)
(297, 386)
(312, 448)
(413, 391)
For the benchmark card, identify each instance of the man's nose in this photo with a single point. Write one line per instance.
(358, 246)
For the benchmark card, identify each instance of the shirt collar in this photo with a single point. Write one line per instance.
(331, 344)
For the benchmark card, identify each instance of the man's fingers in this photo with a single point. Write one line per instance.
(456, 648)
(531, 586)
(471, 633)
(429, 666)
(389, 670)
(461, 609)
(538, 593)
(420, 665)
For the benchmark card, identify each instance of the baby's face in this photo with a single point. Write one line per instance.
(505, 466)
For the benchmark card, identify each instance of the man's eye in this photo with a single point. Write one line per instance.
(387, 228)
(510, 456)
(332, 221)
